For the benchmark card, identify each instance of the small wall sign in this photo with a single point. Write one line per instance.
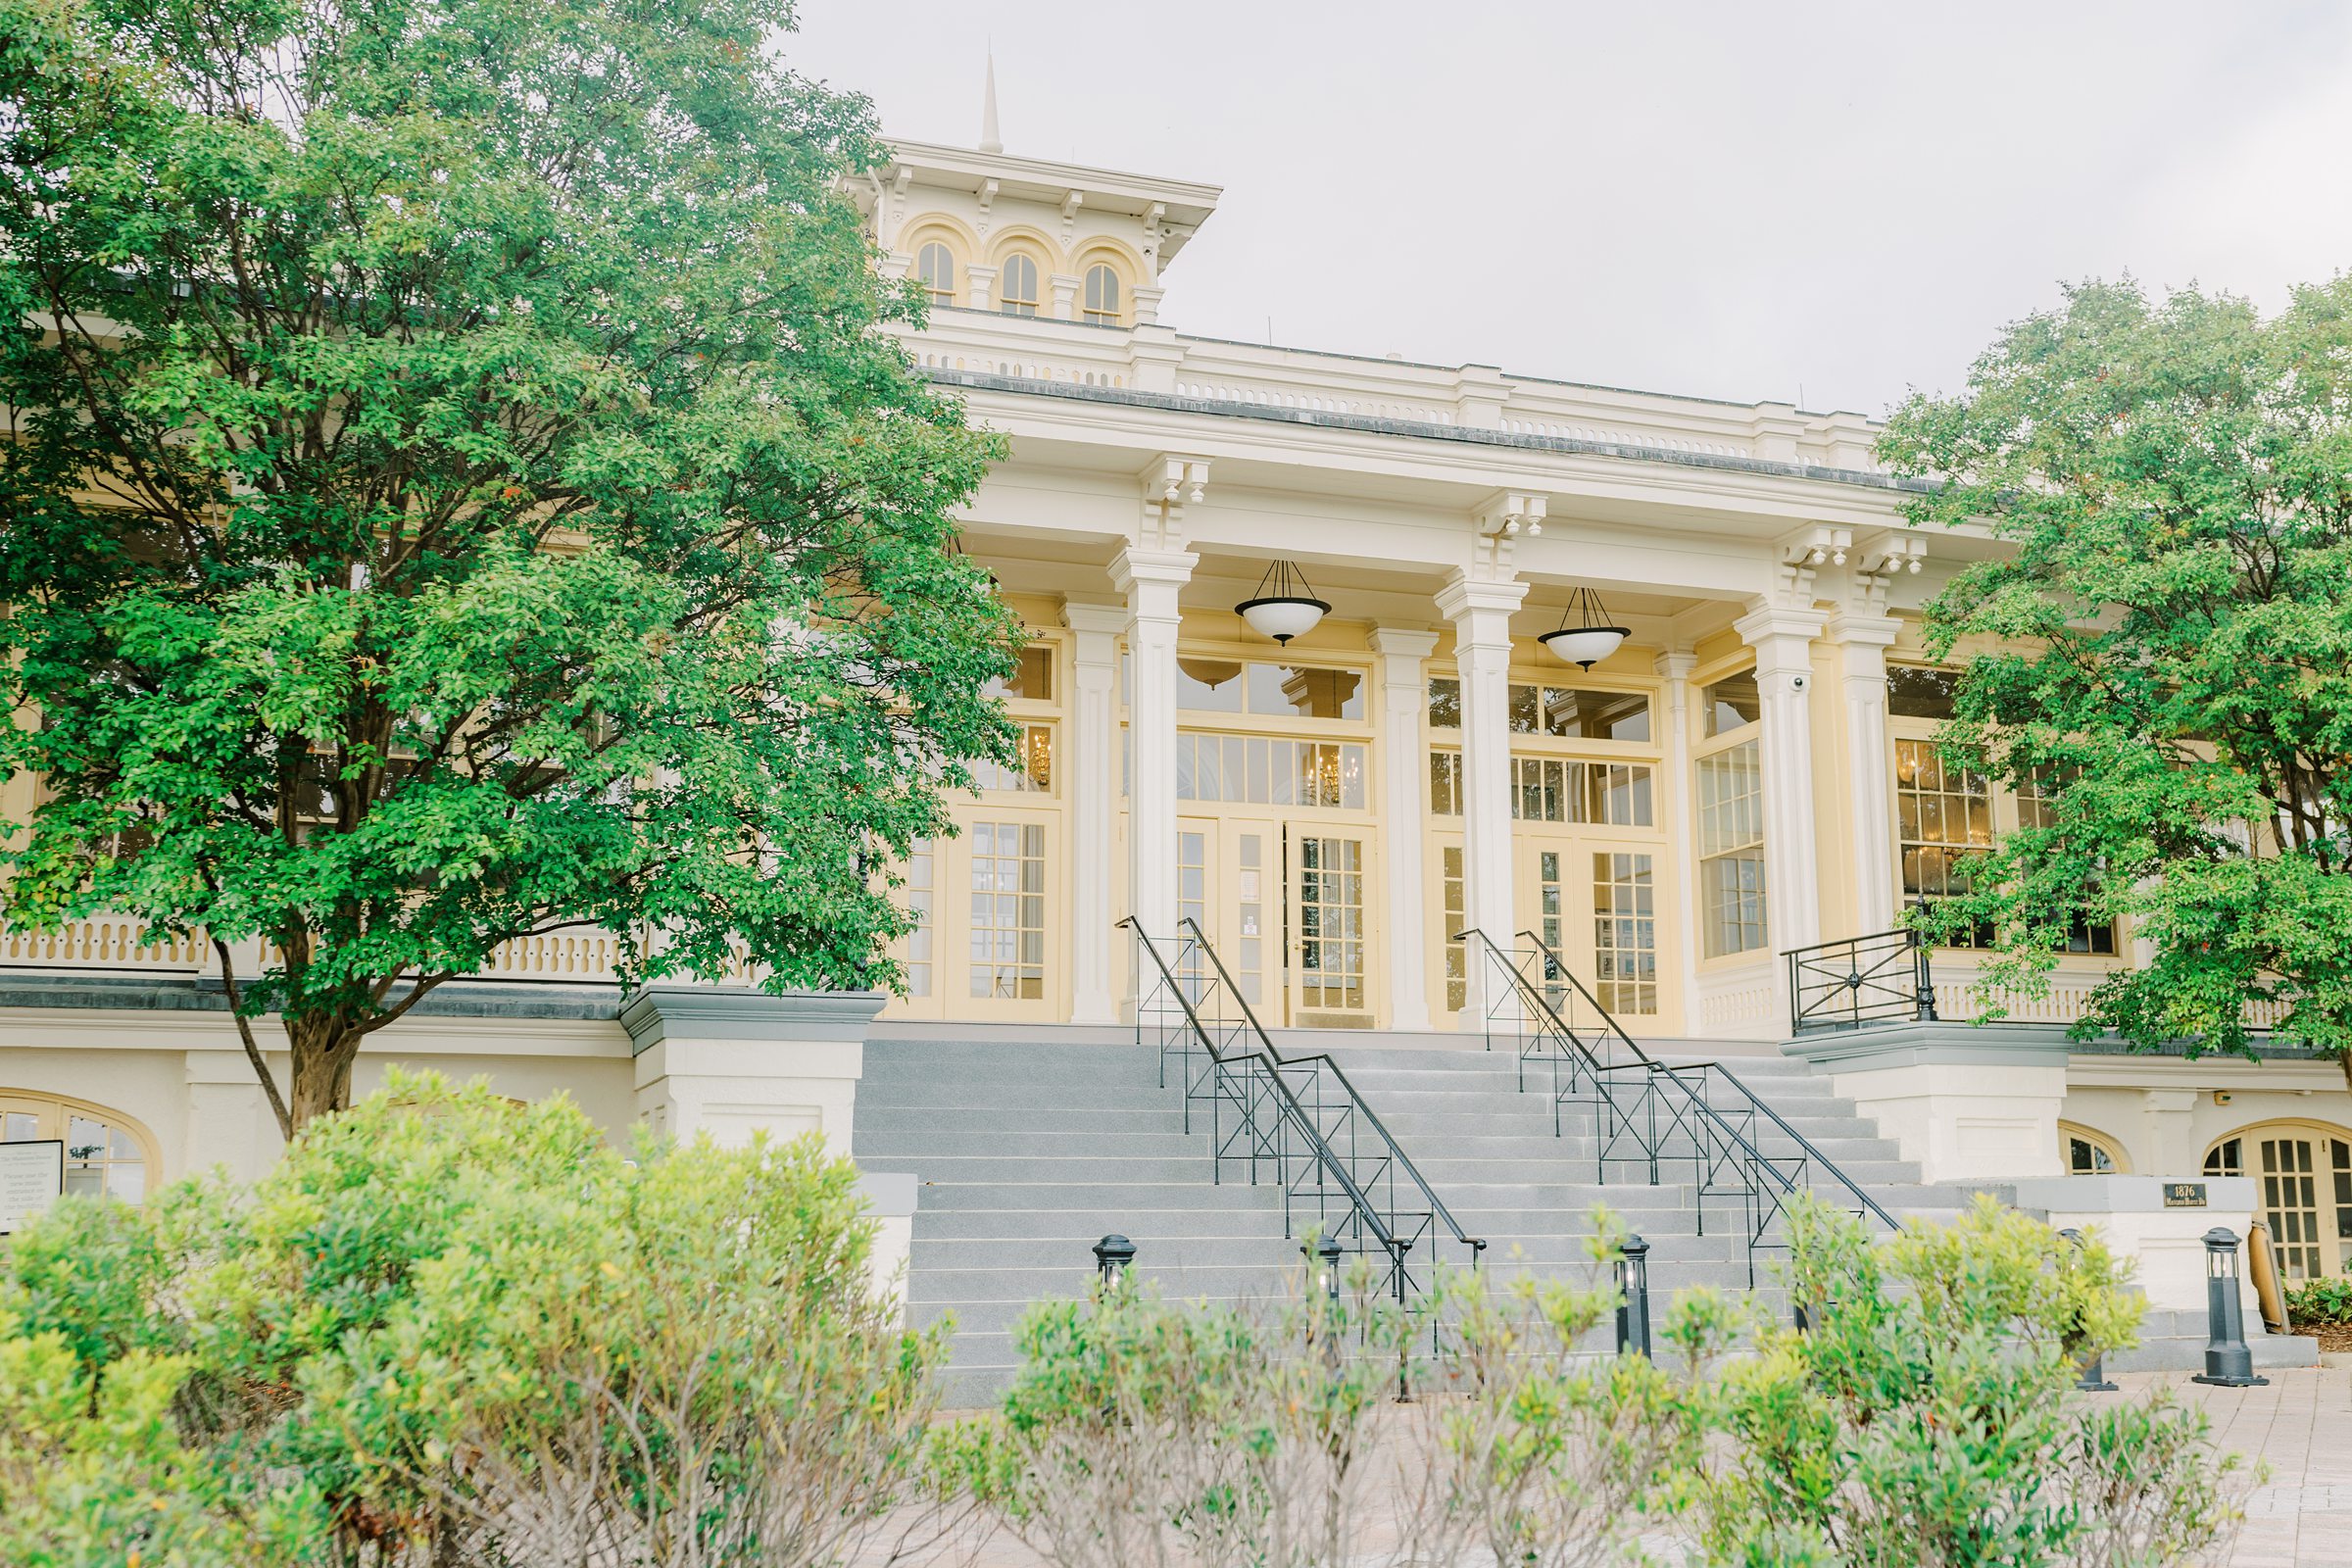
(32, 1176)
(2185, 1194)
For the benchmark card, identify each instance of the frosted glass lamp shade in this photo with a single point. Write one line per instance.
(1585, 645)
(1283, 619)
(1285, 606)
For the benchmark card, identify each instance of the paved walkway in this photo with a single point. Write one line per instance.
(2302, 1424)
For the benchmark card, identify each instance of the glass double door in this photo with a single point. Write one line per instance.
(1596, 904)
(1286, 905)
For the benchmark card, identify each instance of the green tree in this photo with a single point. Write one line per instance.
(460, 484)
(2163, 651)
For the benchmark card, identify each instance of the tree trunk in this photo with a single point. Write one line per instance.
(323, 1053)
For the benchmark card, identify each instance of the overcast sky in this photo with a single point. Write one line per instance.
(1730, 200)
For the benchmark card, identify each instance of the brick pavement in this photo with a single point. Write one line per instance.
(2302, 1424)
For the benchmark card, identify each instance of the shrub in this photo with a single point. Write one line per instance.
(450, 1329)
(1926, 1418)
(2323, 1301)
(1141, 1431)
(95, 1472)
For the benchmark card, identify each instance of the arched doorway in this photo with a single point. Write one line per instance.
(2303, 1175)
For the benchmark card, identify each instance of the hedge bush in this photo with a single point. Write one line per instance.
(447, 1329)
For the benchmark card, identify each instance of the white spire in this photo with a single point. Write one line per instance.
(990, 139)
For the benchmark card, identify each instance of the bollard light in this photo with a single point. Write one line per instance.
(1633, 1286)
(2093, 1377)
(2229, 1364)
(1113, 1256)
(1326, 1253)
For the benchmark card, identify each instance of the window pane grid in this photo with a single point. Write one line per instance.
(1249, 770)
(1331, 923)
(1625, 932)
(1008, 956)
(1730, 846)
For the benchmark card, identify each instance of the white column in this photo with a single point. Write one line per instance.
(978, 283)
(1091, 774)
(1480, 613)
(1682, 827)
(1151, 579)
(1862, 642)
(1783, 641)
(1403, 765)
(1065, 297)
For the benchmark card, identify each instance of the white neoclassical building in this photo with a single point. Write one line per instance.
(1746, 770)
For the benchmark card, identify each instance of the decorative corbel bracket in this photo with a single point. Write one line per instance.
(1170, 484)
(1499, 524)
(988, 198)
(1069, 213)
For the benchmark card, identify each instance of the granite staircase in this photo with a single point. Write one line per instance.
(1025, 1155)
(1490, 1146)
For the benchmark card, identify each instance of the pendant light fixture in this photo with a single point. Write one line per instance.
(1591, 639)
(1285, 606)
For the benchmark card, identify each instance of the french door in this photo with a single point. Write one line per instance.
(1595, 904)
(1286, 905)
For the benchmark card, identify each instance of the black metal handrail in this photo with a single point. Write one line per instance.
(1668, 1113)
(1327, 1067)
(1298, 1115)
(1884, 977)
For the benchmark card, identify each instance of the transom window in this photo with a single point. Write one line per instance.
(1032, 677)
(1556, 789)
(1562, 712)
(1260, 770)
(1279, 691)
(1032, 774)
(935, 269)
(1731, 703)
(1102, 305)
(1017, 294)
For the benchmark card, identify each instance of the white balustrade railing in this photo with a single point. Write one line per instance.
(110, 941)
(1154, 359)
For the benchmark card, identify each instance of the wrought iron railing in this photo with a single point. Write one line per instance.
(1651, 1120)
(1292, 1119)
(1881, 978)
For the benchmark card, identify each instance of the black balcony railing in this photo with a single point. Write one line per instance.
(1881, 978)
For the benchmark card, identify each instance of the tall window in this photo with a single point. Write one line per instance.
(1943, 820)
(1457, 956)
(1019, 286)
(935, 269)
(1009, 911)
(2038, 807)
(922, 887)
(1731, 850)
(1103, 307)
(1331, 923)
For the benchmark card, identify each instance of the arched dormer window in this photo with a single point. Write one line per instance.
(1106, 304)
(935, 268)
(1018, 296)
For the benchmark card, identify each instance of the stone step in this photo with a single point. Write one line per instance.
(1086, 1226)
